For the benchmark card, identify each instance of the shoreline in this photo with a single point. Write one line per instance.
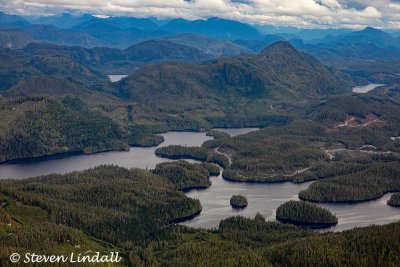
(350, 202)
(307, 224)
(251, 181)
(204, 130)
(238, 206)
(179, 157)
(185, 218)
(63, 155)
(198, 188)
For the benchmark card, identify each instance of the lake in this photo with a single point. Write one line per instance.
(263, 198)
(116, 78)
(136, 157)
(266, 198)
(366, 88)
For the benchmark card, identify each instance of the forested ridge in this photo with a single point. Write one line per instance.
(112, 60)
(254, 242)
(371, 182)
(65, 125)
(258, 76)
(27, 229)
(105, 202)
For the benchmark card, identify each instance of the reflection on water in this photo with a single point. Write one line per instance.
(263, 198)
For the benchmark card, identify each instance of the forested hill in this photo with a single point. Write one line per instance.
(13, 39)
(209, 45)
(112, 60)
(278, 72)
(16, 65)
(148, 51)
(157, 50)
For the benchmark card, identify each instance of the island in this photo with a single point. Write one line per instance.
(186, 176)
(305, 214)
(238, 202)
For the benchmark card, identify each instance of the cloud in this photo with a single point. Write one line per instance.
(301, 13)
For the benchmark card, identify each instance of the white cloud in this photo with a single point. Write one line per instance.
(303, 13)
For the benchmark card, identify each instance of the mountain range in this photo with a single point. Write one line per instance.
(214, 37)
(368, 35)
(113, 60)
(119, 31)
(121, 45)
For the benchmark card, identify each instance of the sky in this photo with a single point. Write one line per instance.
(298, 13)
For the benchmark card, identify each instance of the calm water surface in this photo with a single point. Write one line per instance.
(365, 89)
(263, 198)
(116, 78)
(266, 198)
(137, 157)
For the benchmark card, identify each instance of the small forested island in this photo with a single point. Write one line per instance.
(305, 215)
(394, 200)
(186, 176)
(238, 201)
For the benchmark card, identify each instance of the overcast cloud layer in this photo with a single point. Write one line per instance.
(300, 13)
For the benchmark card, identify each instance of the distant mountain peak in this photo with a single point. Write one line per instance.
(371, 30)
(280, 46)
